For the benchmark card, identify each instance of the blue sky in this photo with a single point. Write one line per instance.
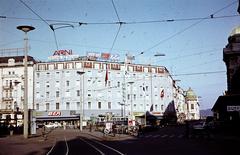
(195, 49)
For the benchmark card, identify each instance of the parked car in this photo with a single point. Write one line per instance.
(53, 125)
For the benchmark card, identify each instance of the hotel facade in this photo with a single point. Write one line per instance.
(62, 90)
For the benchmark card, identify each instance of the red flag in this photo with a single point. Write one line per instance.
(162, 93)
(106, 76)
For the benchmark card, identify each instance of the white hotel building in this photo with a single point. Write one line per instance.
(58, 92)
(129, 87)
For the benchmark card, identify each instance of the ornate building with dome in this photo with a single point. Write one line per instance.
(227, 107)
(192, 105)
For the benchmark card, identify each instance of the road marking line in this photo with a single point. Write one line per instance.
(164, 136)
(172, 136)
(52, 147)
(93, 146)
(180, 136)
(107, 147)
(66, 145)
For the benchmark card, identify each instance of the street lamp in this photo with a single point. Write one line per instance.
(25, 29)
(81, 99)
(131, 83)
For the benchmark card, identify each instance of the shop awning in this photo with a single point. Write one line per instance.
(65, 118)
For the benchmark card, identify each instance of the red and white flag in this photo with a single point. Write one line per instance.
(162, 93)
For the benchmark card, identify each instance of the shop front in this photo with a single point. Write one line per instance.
(65, 118)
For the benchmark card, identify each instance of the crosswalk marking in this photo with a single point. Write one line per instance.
(164, 136)
(156, 136)
(180, 136)
(171, 136)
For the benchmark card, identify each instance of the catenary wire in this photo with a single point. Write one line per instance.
(185, 29)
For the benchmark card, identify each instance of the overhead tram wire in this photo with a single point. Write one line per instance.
(49, 25)
(41, 20)
(185, 29)
(120, 25)
(126, 23)
(199, 73)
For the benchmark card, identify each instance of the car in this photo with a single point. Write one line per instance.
(53, 125)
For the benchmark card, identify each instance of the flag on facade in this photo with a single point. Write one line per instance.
(106, 76)
(162, 93)
(151, 108)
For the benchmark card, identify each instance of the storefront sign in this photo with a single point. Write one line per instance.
(233, 108)
(54, 113)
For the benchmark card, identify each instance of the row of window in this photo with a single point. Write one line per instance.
(67, 106)
(89, 106)
(68, 94)
(96, 65)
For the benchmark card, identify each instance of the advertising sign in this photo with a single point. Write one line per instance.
(233, 108)
(62, 55)
(54, 113)
(102, 56)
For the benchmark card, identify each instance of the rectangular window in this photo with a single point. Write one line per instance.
(128, 96)
(37, 85)
(47, 84)
(37, 106)
(89, 105)
(78, 92)
(134, 96)
(67, 94)
(99, 105)
(57, 84)
(57, 106)
(57, 74)
(67, 105)
(37, 95)
(57, 93)
(47, 106)
(109, 105)
(192, 106)
(47, 94)
(67, 83)
(78, 105)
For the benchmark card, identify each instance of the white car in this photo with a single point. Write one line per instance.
(53, 125)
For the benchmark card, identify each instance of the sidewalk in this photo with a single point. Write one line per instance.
(17, 144)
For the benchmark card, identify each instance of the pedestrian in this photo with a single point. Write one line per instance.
(90, 127)
(140, 130)
(11, 129)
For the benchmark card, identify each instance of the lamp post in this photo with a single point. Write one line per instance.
(25, 29)
(81, 99)
(131, 111)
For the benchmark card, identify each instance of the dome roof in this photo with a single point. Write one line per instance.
(190, 95)
(235, 31)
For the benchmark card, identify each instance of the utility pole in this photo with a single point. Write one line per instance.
(25, 29)
(81, 100)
